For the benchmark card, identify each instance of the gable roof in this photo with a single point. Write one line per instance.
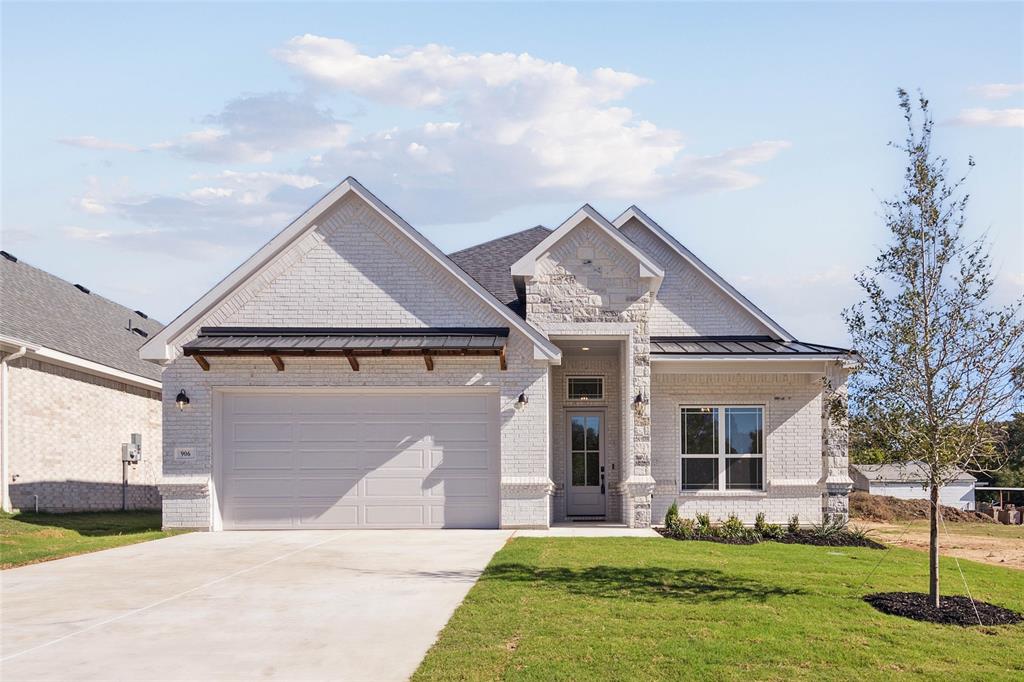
(648, 268)
(703, 268)
(158, 347)
(490, 263)
(44, 310)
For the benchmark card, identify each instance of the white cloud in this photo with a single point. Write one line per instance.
(252, 128)
(991, 118)
(516, 129)
(93, 142)
(997, 90)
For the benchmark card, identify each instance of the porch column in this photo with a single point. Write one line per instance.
(835, 439)
(638, 484)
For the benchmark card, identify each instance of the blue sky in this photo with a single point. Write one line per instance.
(149, 148)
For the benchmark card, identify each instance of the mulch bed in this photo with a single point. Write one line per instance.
(954, 610)
(799, 538)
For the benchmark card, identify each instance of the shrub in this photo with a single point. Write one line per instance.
(732, 528)
(794, 524)
(831, 526)
(672, 515)
(704, 524)
(772, 531)
(759, 523)
(683, 529)
(859, 532)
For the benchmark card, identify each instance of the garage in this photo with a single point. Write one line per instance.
(398, 458)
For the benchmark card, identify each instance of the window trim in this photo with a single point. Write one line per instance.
(593, 377)
(722, 456)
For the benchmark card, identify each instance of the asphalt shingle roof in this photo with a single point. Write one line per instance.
(908, 472)
(45, 310)
(490, 263)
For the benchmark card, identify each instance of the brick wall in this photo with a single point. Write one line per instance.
(355, 270)
(66, 431)
(688, 303)
(793, 444)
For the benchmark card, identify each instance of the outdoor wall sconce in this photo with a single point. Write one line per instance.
(640, 403)
(522, 402)
(182, 400)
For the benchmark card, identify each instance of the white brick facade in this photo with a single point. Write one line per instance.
(66, 430)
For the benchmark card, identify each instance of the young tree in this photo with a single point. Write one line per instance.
(940, 364)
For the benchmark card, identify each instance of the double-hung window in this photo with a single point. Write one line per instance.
(722, 448)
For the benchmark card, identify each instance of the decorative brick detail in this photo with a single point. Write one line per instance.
(66, 430)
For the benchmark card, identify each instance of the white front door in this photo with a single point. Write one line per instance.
(410, 459)
(586, 488)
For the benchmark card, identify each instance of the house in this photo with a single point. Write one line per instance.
(73, 390)
(908, 482)
(351, 375)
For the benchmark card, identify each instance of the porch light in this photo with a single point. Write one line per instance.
(521, 403)
(639, 403)
(182, 400)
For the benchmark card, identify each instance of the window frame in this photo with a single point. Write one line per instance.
(721, 455)
(590, 377)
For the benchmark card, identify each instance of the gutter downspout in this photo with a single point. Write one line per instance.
(5, 498)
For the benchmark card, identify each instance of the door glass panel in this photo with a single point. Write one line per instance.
(593, 433)
(593, 468)
(577, 433)
(579, 468)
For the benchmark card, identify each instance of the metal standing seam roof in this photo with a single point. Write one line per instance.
(739, 345)
(45, 310)
(226, 340)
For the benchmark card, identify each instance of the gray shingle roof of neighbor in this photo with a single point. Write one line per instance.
(45, 310)
(908, 472)
(739, 345)
(490, 263)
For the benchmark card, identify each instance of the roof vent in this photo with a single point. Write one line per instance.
(142, 314)
(82, 289)
(8, 256)
(140, 332)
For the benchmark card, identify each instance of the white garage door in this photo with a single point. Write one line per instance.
(413, 459)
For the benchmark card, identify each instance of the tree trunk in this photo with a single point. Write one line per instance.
(933, 548)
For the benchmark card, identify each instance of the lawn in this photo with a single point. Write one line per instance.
(30, 538)
(653, 608)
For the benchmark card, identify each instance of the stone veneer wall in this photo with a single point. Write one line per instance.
(356, 270)
(66, 430)
(793, 444)
(588, 284)
(606, 367)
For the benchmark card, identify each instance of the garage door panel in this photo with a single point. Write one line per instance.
(348, 461)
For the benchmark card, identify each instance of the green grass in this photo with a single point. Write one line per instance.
(29, 538)
(656, 609)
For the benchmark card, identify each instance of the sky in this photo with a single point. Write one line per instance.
(147, 149)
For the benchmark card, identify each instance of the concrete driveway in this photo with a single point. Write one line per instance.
(296, 605)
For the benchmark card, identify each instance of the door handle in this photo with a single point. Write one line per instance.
(602, 480)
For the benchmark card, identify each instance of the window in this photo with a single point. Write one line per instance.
(585, 388)
(722, 448)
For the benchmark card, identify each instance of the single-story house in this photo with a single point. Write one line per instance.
(907, 481)
(73, 390)
(351, 375)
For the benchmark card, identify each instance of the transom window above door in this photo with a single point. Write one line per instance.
(585, 388)
(722, 448)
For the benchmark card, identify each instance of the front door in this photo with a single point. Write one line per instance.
(586, 489)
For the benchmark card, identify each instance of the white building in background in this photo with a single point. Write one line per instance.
(907, 482)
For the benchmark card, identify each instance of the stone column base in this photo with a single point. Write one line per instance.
(835, 501)
(526, 502)
(636, 501)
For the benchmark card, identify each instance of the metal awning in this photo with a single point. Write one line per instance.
(352, 343)
(740, 347)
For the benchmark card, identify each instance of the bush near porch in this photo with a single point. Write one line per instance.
(633, 608)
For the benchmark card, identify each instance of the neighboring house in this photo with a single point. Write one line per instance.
(73, 390)
(351, 375)
(907, 481)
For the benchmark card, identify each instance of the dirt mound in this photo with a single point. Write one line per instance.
(892, 509)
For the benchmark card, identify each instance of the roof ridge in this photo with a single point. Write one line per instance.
(498, 239)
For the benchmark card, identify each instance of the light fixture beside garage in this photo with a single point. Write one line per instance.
(522, 402)
(640, 403)
(182, 400)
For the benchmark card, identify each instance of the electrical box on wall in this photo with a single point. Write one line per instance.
(132, 452)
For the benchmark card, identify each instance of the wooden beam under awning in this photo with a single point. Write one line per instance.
(277, 355)
(352, 361)
(428, 361)
(202, 362)
(278, 362)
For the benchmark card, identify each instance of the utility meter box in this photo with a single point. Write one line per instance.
(132, 452)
